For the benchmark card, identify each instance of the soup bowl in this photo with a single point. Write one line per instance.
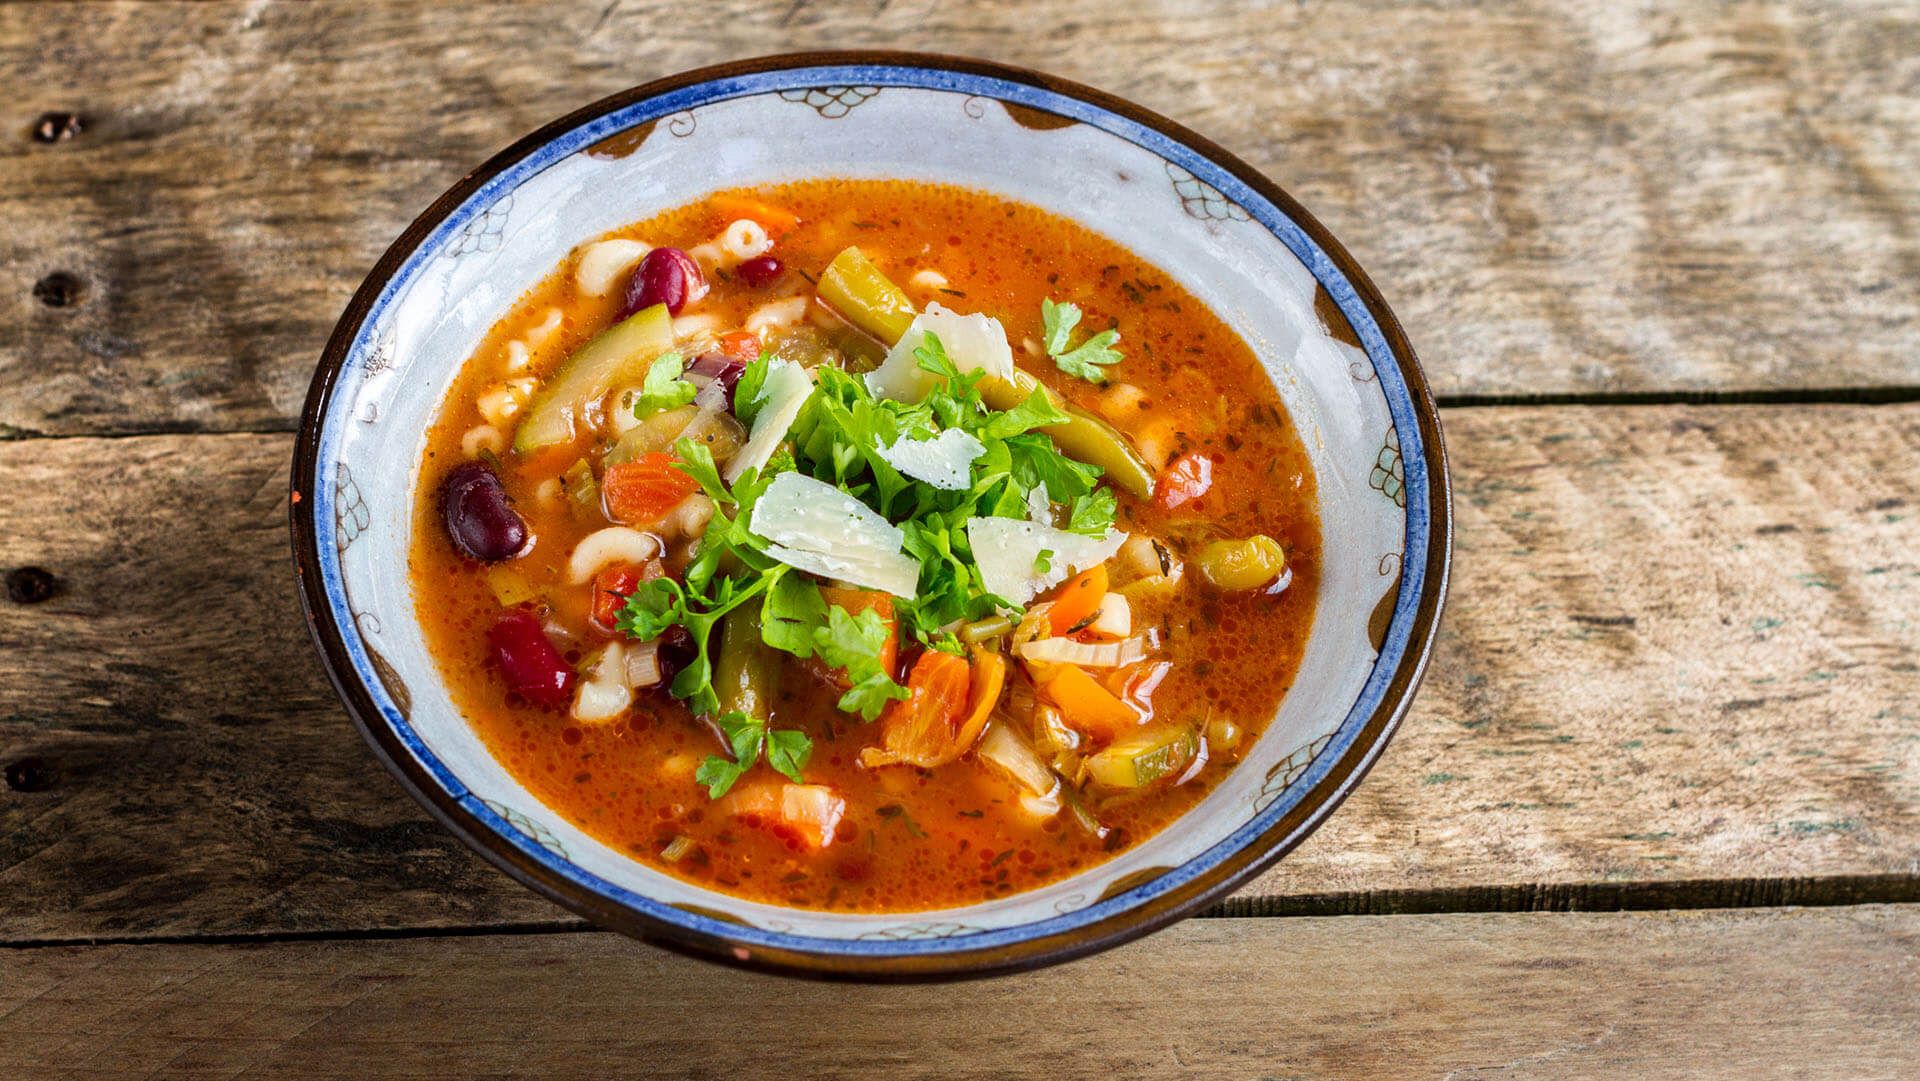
(1334, 352)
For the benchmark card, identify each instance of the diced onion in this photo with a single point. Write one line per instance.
(819, 528)
(1086, 654)
(1114, 617)
(1004, 749)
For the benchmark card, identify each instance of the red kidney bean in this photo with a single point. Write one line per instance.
(676, 652)
(479, 516)
(529, 662)
(666, 276)
(759, 270)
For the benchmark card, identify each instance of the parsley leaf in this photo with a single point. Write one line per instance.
(1088, 359)
(854, 643)
(786, 750)
(1043, 562)
(746, 393)
(663, 388)
(1093, 514)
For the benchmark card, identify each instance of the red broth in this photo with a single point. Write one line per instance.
(908, 838)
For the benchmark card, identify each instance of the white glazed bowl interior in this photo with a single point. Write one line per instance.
(1163, 200)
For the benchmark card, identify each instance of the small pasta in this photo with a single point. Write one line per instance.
(614, 544)
(694, 326)
(776, 313)
(498, 404)
(745, 239)
(929, 280)
(483, 437)
(602, 265)
(518, 357)
(708, 255)
(548, 492)
(541, 331)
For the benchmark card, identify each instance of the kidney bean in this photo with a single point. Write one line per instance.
(666, 276)
(479, 517)
(759, 270)
(529, 662)
(676, 652)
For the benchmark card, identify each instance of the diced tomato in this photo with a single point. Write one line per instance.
(1185, 479)
(611, 588)
(643, 490)
(741, 346)
(924, 727)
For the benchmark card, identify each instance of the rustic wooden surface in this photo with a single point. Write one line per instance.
(1621, 997)
(1680, 671)
(1679, 668)
(1558, 198)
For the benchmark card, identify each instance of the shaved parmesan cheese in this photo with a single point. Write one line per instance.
(819, 528)
(944, 461)
(785, 391)
(1006, 549)
(971, 341)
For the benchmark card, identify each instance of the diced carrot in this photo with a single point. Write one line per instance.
(856, 601)
(1185, 479)
(771, 218)
(643, 490)
(1077, 601)
(1085, 703)
(741, 345)
(611, 588)
(924, 728)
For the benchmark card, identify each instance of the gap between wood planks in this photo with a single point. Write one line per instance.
(1837, 891)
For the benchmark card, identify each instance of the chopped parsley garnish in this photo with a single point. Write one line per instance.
(1089, 358)
(837, 439)
(663, 389)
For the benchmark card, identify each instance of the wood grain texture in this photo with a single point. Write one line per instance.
(1716, 996)
(1557, 197)
(1681, 649)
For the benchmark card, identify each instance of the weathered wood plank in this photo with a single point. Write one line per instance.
(1556, 197)
(1701, 996)
(1682, 647)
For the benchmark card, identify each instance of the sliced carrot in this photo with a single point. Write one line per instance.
(643, 490)
(771, 218)
(1085, 703)
(1077, 601)
(1184, 480)
(989, 678)
(741, 346)
(856, 601)
(923, 729)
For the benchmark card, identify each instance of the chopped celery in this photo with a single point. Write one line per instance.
(852, 286)
(582, 490)
(619, 354)
(678, 849)
(1145, 757)
(509, 586)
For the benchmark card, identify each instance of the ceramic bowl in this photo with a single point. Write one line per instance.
(1334, 352)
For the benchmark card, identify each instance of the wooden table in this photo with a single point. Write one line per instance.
(1656, 813)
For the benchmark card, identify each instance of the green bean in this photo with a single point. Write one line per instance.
(1085, 437)
(745, 674)
(852, 286)
(1242, 564)
(981, 630)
